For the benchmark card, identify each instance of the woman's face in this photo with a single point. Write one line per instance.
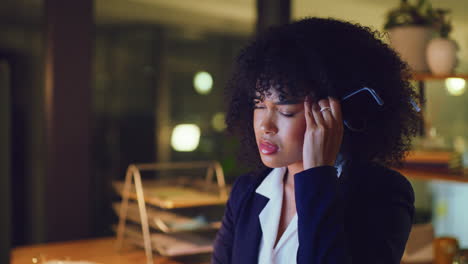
(279, 128)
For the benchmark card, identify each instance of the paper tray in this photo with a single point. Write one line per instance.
(170, 197)
(173, 245)
(168, 222)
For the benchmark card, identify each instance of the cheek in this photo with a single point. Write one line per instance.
(256, 122)
(294, 131)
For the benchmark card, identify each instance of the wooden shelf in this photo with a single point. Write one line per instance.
(435, 176)
(429, 76)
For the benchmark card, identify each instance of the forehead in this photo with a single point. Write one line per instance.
(277, 98)
(270, 94)
(272, 85)
(278, 87)
(274, 94)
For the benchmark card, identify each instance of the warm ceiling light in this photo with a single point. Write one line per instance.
(455, 86)
(185, 137)
(218, 122)
(203, 82)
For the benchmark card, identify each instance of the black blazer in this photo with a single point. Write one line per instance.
(365, 216)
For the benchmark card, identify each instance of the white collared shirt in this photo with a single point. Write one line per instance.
(286, 248)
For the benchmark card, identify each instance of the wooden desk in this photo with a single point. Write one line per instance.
(101, 250)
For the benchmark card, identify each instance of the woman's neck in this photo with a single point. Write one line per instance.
(289, 176)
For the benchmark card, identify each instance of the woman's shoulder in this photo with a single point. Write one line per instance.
(375, 172)
(249, 180)
(246, 184)
(379, 179)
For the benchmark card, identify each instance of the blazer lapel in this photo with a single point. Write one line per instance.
(249, 233)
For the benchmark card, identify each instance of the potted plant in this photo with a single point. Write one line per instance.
(410, 28)
(442, 51)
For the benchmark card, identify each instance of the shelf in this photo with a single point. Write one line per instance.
(171, 197)
(173, 245)
(436, 176)
(429, 76)
(168, 222)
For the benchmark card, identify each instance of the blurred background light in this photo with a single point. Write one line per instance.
(218, 122)
(185, 137)
(455, 86)
(203, 82)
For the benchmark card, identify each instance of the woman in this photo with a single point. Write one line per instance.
(323, 108)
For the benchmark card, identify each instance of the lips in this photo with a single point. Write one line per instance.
(267, 148)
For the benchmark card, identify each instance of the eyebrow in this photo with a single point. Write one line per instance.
(283, 102)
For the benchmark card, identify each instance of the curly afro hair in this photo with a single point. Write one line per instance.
(321, 57)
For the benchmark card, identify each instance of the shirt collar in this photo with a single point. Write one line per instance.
(273, 183)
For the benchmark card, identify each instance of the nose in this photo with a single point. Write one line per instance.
(268, 125)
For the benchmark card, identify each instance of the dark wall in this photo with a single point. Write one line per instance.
(21, 45)
(5, 159)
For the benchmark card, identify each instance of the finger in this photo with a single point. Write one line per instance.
(317, 115)
(335, 109)
(335, 106)
(325, 110)
(310, 121)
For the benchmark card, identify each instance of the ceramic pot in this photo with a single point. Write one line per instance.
(442, 56)
(410, 42)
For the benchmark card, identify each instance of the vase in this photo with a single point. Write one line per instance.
(442, 56)
(410, 42)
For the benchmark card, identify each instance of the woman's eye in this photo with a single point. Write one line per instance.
(259, 106)
(287, 114)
